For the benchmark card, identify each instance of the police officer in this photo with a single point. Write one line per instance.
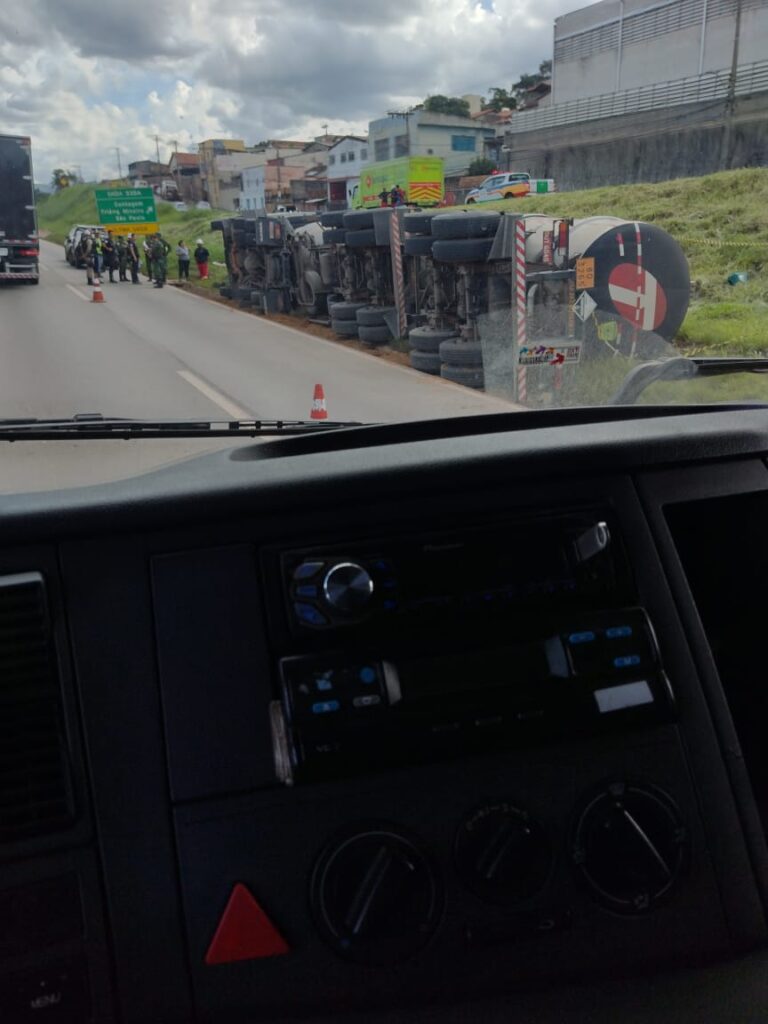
(108, 254)
(97, 250)
(160, 250)
(147, 246)
(85, 253)
(122, 258)
(134, 260)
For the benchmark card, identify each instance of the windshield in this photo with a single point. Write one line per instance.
(344, 212)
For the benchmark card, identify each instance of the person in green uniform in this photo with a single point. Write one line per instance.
(122, 257)
(147, 247)
(160, 250)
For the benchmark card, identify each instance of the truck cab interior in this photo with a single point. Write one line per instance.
(450, 721)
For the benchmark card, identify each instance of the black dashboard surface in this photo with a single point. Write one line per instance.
(171, 615)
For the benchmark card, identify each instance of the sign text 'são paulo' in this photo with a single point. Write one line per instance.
(126, 210)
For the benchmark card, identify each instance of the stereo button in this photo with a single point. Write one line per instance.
(368, 701)
(309, 615)
(618, 632)
(324, 707)
(627, 661)
(586, 637)
(307, 570)
(306, 590)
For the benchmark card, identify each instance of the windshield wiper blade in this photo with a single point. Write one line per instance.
(682, 368)
(95, 425)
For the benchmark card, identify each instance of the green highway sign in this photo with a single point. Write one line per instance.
(125, 210)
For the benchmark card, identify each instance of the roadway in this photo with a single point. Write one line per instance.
(165, 353)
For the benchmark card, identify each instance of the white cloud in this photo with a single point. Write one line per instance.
(82, 79)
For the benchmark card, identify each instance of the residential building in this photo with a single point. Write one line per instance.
(221, 160)
(458, 140)
(283, 161)
(310, 191)
(185, 171)
(150, 171)
(253, 188)
(617, 45)
(344, 160)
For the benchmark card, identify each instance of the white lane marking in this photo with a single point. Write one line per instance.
(237, 412)
(76, 291)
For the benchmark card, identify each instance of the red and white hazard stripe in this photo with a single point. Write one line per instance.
(518, 271)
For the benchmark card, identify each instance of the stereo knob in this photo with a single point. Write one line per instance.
(630, 845)
(375, 897)
(348, 588)
(502, 854)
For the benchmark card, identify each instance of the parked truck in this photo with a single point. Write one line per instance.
(19, 241)
(421, 178)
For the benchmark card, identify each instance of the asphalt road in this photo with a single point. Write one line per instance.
(165, 353)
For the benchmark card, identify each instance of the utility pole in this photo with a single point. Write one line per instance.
(119, 164)
(157, 146)
(175, 144)
(726, 156)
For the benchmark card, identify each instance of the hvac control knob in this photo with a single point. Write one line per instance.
(630, 845)
(502, 854)
(375, 896)
(348, 588)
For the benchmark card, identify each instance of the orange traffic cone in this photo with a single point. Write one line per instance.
(319, 412)
(98, 294)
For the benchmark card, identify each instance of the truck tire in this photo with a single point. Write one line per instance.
(374, 334)
(466, 225)
(456, 352)
(366, 238)
(332, 219)
(344, 328)
(332, 236)
(419, 245)
(461, 250)
(372, 316)
(418, 223)
(426, 362)
(357, 220)
(344, 310)
(428, 339)
(469, 376)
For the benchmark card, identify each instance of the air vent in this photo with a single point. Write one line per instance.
(35, 795)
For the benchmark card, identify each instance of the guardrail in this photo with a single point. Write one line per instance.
(713, 85)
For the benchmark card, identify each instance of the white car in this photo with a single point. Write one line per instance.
(509, 185)
(201, 204)
(181, 207)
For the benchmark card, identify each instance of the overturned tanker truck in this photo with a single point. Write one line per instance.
(506, 301)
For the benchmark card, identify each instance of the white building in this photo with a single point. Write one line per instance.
(344, 161)
(622, 44)
(253, 192)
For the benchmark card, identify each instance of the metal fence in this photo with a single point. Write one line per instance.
(713, 85)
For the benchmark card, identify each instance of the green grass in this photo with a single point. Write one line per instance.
(76, 205)
(721, 222)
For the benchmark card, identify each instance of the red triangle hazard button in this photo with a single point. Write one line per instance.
(244, 932)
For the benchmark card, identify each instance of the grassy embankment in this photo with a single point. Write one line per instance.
(76, 205)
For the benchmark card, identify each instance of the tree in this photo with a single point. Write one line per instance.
(526, 82)
(447, 105)
(59, 178)
(498, 99)
(481, 165)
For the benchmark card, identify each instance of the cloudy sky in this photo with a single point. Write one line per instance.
(82, 77)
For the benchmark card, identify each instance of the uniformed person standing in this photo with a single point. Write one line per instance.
(160, 250)
(85, 253)
(98, 254)
(108, 254)
(147, 246)
(122, 258)
(134, 260)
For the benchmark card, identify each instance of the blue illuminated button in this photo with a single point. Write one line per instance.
(308, 614)
(323, 683)
(323, 707)
(581, 638)
(307, 570)
(367, 674)
(617, 632)
(381, 565)
(306, 590)
(626, 661)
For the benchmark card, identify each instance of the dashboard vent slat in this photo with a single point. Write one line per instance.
(35, 794)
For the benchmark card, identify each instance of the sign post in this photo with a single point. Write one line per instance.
(127, 210)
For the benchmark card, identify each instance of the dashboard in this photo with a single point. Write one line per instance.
(404, 727)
